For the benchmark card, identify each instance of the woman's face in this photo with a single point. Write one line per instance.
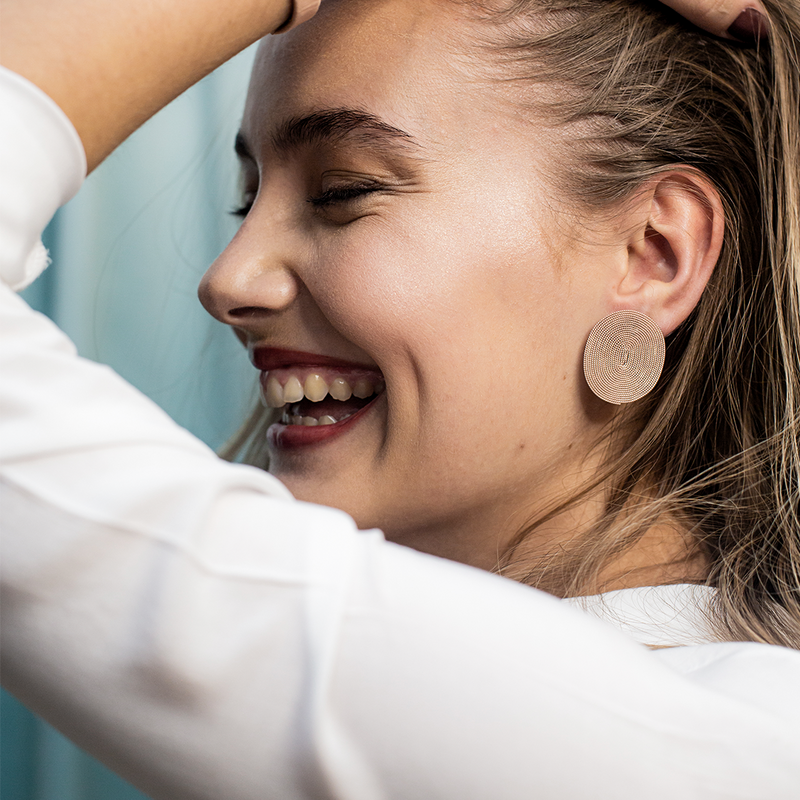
(402, 239)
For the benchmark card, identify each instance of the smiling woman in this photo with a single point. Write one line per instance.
(458, 241)
(401, 279)
(455, 217)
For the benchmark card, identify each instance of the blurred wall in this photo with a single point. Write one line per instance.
(127, 254)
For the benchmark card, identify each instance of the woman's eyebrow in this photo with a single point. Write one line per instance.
(332, 126)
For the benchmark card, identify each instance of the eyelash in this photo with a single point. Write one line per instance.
(341, 194)
(336, 194)
(241, 211)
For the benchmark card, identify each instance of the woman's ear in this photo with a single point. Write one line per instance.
(675, 228)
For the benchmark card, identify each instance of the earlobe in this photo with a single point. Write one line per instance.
(675, 240)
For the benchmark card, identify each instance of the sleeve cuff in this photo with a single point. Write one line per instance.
(42, 166)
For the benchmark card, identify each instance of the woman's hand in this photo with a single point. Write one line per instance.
(744, 20)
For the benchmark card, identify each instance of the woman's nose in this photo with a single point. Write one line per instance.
(251, 279)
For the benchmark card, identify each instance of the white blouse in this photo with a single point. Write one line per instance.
(207, 636)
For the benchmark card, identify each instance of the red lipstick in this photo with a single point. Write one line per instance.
(290, 437)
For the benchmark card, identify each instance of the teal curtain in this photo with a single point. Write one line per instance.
(127, 254)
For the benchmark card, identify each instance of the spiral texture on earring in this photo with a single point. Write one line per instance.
(624, 357)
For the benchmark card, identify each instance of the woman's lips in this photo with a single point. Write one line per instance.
(321, 397)
(287, 437)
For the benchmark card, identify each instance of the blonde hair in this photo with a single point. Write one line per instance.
(717, 440)
(716, 443)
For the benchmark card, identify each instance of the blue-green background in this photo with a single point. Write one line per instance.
(127, 254)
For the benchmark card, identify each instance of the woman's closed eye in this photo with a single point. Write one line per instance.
(331, 196)
(344, 193)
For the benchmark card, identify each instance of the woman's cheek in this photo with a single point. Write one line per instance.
(376, 286)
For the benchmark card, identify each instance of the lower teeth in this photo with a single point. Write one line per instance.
(291, 419)
(291, 415)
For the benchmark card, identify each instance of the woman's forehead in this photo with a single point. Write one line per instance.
(398, 61)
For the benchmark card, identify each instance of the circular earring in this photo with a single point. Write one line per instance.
(624, 357)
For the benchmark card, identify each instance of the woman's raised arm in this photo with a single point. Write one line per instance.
(111, 66)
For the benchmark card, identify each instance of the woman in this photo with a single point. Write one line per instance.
(466, 195)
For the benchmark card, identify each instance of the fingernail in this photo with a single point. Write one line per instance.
(749, 27)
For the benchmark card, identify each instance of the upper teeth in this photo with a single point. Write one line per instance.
(315, 388)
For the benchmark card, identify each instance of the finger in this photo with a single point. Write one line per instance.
(745, 20)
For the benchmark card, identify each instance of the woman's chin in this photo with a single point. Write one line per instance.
(333, 464)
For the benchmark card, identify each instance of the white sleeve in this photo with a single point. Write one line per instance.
(189, 623)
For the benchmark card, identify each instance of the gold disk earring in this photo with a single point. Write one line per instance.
(624, 357)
